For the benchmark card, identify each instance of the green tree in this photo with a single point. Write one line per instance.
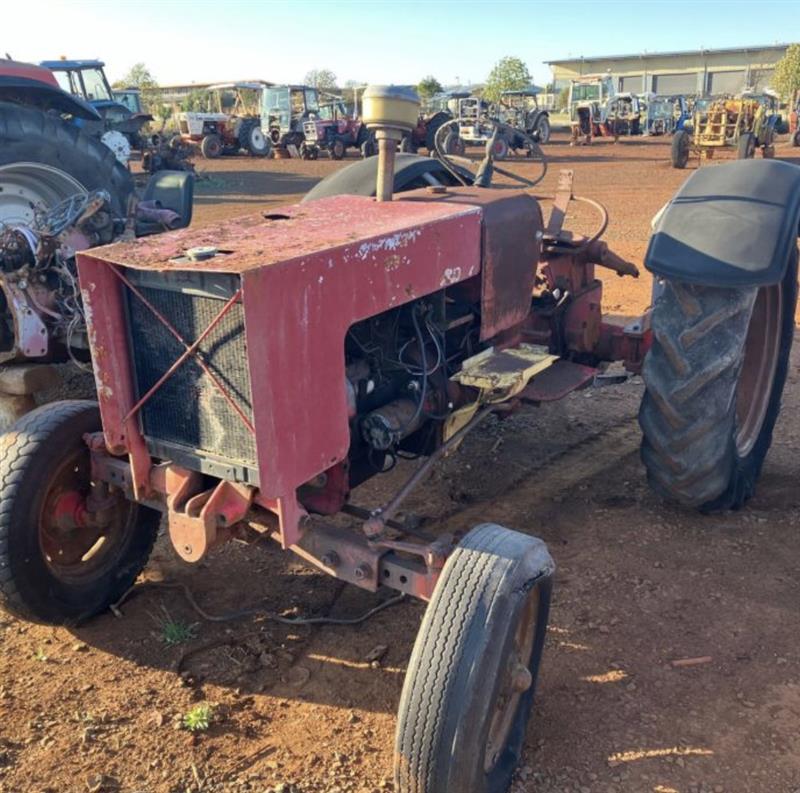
(786, 80)
(508, 74)
(428, 86)
(322, 79)
(195, 101)
(139, 76)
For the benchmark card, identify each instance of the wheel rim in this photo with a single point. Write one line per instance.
(257, 139)
(761, 351)
(516, 680)
(28, 187)
(78, 555)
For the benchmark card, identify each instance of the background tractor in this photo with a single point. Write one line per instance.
(520, 109)
(665, 114)
(588, 98)
(232, 125)
(122, 127)
(284, 110)
(334, 130)
(61, 189)
(746, 124)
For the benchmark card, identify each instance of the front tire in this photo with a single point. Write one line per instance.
(211, 147)
(50, 571)
(543, 130)
(256, 142)
(472, 675)
(746, 147)
(680, 149)
(714, 378)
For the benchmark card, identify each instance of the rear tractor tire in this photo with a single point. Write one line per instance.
(680, 149)
(472, 675)
(542, 131)
(337, 149)
(714, 378)
(53, 568)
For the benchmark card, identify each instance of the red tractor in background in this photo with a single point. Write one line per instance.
(264, 367)
(332, 129)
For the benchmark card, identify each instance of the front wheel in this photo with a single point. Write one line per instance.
(55, 565)
(714, 377)
(257, 143)
(471, 679)
(542, 131)
(796, 138)
(746, 147)
(211, 147)
(337, 149)
(680, 149)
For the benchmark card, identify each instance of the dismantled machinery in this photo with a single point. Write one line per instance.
(746, 124)
(61, 190)
(405, 323)
(665, 114)
(232, 126)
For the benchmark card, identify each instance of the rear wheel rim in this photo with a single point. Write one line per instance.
(516, 680)
(29, 187)
(761, 353)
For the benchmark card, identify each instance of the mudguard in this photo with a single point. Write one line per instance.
(16, 88)
(729, 225)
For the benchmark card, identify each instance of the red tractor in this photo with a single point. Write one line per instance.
(265, 367)
(334, 130)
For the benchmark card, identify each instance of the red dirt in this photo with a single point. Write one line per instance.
(640, 584)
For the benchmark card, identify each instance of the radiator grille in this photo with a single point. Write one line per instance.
(188, 414)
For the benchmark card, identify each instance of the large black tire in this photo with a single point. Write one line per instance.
(541, 131)
(253, 140)
(746, 146)
(714, 384)
(432, 127)
(680, 149)
(38, 452)
(29, 135)
(494, 590)
(796, 138)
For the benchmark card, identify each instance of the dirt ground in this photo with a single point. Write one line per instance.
(640, 584)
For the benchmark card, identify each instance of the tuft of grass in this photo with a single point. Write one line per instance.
(40, 655)
(198, 719)
(176, 632)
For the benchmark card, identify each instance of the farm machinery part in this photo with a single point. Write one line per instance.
(406, 324)
(746, 124)
(219, 131)
(623, 116)
(665, 114)
(794, 119)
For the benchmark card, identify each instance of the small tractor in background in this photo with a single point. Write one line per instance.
(333, 130)
(284, 111)
(665, 114)
(61, 190)
(121, 127)
(520, 109)
(746, 124)
(624, 114)
(588, 100)
(232, 126)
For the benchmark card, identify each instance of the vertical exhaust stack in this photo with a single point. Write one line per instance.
(389, 110)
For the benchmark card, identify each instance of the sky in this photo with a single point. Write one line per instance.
(380, 42)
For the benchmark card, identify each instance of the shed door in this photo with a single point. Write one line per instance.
(631, 83)
(726, 82)
(675, 83)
